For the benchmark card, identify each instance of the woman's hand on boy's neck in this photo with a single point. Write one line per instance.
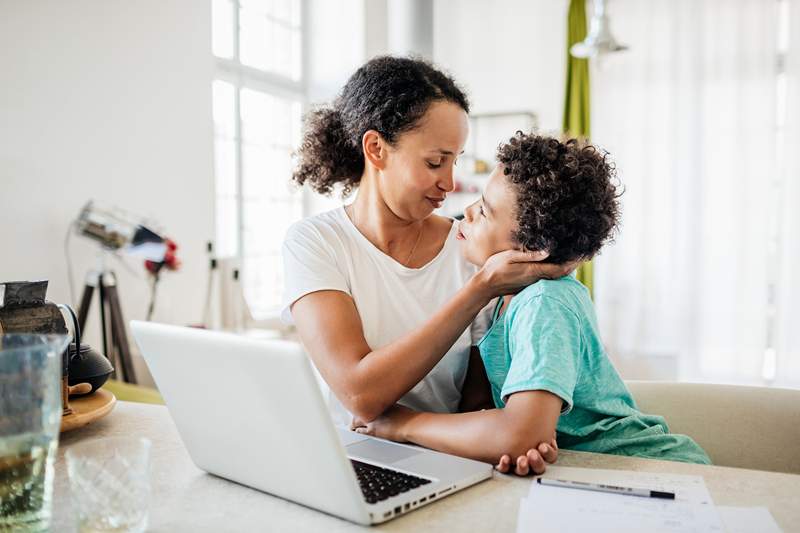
(510, 271)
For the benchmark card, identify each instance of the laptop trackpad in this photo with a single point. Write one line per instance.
(380, 452)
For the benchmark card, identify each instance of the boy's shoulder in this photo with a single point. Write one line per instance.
(567, 291)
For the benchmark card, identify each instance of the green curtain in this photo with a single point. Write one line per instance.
(576, 100)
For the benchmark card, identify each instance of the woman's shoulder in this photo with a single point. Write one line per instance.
(317, 226)
(331, 218)
(321, 235)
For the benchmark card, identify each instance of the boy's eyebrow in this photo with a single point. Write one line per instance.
(486, 205)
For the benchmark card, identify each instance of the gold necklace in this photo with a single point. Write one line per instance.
(413, 249)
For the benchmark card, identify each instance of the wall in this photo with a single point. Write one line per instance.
(336, 45)
(510, 55)
(108, 100)
(340, 32)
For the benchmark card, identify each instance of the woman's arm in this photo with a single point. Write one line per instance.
(529, 418)
(369, 381)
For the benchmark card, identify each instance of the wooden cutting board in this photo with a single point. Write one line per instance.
(87, 409)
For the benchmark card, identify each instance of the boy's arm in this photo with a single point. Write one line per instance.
(529, 418)
(476, 394)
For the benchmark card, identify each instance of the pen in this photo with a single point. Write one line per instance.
(606, 488)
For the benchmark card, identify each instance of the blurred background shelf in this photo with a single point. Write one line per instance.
(487, 131)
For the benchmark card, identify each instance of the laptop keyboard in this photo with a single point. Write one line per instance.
(378, 484)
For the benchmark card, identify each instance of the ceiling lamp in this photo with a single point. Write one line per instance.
(599, 40)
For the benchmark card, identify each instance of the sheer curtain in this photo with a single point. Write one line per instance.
(787, 369)
(689, 116)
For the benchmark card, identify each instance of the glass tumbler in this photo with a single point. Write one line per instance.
(30, 417)
(109, 482)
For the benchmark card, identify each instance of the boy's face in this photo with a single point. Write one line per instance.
(489, 223)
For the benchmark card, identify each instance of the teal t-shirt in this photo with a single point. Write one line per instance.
(548, 339)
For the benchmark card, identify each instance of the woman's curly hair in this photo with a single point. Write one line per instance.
(387, 94)
(567, 195)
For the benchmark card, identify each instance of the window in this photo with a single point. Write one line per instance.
(700, 279)
(258, 94)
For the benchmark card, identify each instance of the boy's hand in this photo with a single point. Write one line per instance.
(390, 425)
(533, 462)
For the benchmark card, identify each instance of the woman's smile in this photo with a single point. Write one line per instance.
(435, 202)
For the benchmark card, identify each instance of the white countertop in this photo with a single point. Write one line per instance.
(187, 499)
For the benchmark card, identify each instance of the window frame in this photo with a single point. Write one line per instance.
(240, 76)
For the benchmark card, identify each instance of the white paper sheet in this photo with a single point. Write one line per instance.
(748, 519)
(561, 509)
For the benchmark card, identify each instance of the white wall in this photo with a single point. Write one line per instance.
(376, 36)
(108, 100)
(340, 32)
(411, 28)
(509, 55)
(336, 45)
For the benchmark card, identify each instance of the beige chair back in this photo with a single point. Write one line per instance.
(739, 426)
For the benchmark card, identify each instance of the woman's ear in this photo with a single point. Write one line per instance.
(374, 147)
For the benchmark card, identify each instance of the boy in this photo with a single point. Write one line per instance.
(544, 360)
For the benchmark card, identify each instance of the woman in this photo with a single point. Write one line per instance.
(380, 295)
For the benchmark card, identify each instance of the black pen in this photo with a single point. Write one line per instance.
(582, 485)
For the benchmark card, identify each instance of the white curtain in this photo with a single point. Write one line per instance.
(689, 116)
(788, 290)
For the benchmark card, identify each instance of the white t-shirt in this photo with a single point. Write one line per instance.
(327, 252)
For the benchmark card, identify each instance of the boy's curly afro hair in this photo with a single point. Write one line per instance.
(567, 195)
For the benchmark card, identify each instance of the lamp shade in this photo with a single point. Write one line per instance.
(599, 40)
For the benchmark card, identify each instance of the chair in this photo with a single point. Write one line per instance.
(738, 426)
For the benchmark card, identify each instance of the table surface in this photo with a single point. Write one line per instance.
(187, 499)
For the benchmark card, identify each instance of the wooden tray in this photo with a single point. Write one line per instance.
(86, 409)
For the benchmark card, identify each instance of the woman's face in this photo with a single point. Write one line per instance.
(489, 223)
(419, 167)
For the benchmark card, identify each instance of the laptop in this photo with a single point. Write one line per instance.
(251, 411)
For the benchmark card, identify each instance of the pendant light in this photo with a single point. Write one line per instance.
(599, 39)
